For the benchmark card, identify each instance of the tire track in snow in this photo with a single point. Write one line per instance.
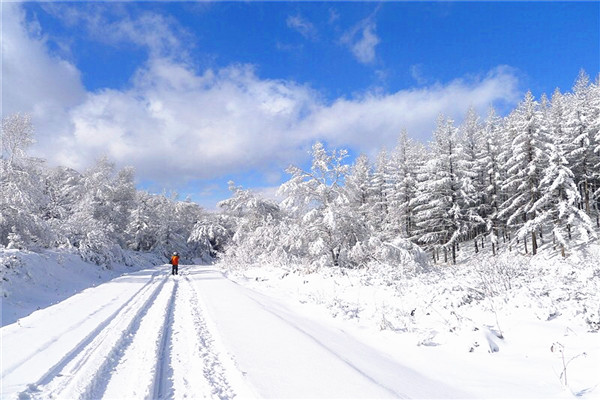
(163, 387)
(213, 370)
(85, 340)
(84, 371)
(282, 316)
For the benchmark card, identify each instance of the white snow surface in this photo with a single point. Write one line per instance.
(267, 332)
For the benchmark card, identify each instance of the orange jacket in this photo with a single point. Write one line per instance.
(175, 260)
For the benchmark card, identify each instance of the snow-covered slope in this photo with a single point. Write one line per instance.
(35, 280)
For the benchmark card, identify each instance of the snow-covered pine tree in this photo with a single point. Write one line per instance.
(406, 159)
(595, 128)
(380, 191)
(440, 219)
(471, 164)
(580, 127)
(357, 187)
(493, 138)
(559, 196)
(524, 167)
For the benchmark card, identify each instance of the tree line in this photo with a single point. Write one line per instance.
(528, 178)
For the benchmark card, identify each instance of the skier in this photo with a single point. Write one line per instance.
(175, 263)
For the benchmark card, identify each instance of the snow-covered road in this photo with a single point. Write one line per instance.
(198, 335)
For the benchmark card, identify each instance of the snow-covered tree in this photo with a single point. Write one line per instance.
(318, 198)
(492, 162)
(524, 168)
(22, 196)
(559, 198)
(406, 160)
(17, 136)
(440, 217)
(580, 128)
(357, 186)
(472, 182)
(380, 192)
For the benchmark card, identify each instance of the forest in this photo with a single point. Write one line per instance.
(509, 183)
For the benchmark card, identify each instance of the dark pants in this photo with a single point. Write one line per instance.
(175, 270)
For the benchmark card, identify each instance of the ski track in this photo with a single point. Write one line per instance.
(163, 378)
(131, 374)
(85, 368)
(116, 354)
(158, 344)
(35, 351)
(213, 370)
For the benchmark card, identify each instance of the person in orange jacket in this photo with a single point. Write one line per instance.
(175, 264)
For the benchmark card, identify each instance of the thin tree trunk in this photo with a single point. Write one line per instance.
(454, 246)
(476, 248)
(445, 255)
(524, 243)
(587, 197)
(562, 250)
(493, 249)
(533, 243)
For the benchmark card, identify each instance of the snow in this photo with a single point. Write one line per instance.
(34, 280)
(470, 331)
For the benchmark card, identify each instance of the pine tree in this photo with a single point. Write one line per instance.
(406, 160)
(357, 186)
(559, 198)
(582, 138)
(494, 174)
(524, 168)
(440, 217)
(380, 191)
(471, 165)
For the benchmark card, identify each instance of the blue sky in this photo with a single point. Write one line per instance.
(195, 94)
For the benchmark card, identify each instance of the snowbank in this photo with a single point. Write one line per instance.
(32, 281)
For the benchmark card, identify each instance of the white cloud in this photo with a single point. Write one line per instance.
(362, 40)
(302, 26)
(34, 81)
(364, 49)
(416, 71)
(375, 120)
(174, 124)
(161, 35)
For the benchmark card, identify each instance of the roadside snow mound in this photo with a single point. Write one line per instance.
(32, 281)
